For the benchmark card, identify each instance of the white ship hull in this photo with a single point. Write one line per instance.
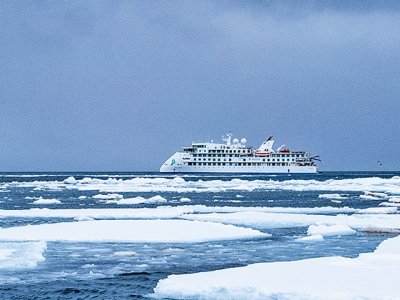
(238, 158)
(235, 169)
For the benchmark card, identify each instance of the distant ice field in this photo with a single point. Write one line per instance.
(114, 235)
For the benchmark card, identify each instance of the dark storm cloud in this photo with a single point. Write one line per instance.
(96, 85)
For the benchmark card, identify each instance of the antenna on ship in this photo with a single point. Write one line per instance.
(228, 138)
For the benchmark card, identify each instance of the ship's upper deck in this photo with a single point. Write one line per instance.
(239, 147)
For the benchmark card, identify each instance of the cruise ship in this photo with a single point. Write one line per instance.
(234, 156)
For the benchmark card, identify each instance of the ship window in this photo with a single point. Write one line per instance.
(244, 159)
(213, 164)
(189, 163)
(263, 159)
(230, 159)
(239, 164)
(213, 159)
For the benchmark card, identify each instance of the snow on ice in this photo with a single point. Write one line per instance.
(180, 185)
(140, 231)
(369, 276)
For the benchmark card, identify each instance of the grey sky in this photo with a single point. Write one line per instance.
(121, 85)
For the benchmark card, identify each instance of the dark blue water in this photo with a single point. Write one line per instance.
(93, 270)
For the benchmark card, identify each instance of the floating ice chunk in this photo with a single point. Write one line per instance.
(42, 201)
(175, 212)
(125, 253)
(140, 231)
(373, 196)
(329, 230)
(370, 276)
(378, 210)
(163, 212)
(21, 255)
(311, 238)
(390, 204)
(83, 218)
(184, 199)
(173, 250)
(179, 185)
(88, 266)
(70, 180)
(336, 201)
(395, 199)
(332, 196)
(82, 197)
(142, 266)
(369, 197)
(262, 220)
(108, 196)
(239, 196)
(138, 200)
(86, 180)
(178, 180)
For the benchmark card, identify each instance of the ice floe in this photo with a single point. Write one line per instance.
(70, 180)
(108, 196)
(42, 201)
(138, 200)
(140, 231)
(177, 211)
(332, 196)
(369, 276)
(185, 199)
(329, 230)
(21, 255)
(373, 196)
(180, 185)
(262, 220)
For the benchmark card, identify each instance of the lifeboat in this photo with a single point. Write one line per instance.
(284, 151)
(261, 153)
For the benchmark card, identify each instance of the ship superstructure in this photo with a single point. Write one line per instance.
(235, 156)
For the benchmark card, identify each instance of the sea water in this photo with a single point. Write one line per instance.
(39, 269)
